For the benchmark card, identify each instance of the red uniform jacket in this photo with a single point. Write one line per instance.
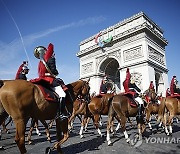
(42, 69)
(20, 69)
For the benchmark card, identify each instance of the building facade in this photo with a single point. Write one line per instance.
(136, 43)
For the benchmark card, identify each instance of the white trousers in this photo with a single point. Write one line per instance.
(139, 100)
(60, 91)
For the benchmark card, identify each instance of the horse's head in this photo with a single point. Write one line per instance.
(81, 87)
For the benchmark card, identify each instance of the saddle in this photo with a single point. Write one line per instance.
(131, 100)
(49, 94)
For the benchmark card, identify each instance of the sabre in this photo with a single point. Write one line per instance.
(18, 31)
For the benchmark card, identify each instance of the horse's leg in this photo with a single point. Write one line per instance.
(37, 130)
(148, 115)
(123, 126)
(165, 124)
(47, 130)
(4, 128)
(171, 116)
(30, 131)
(86, 123)
(100, 121)
(61, 127)
(50, 123)
(96, 123)
(20, 135)
(71, 120)
(83, 123)
(109, 122)
(112, 126)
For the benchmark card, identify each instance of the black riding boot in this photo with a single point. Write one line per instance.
(140, 115)
(61, 109)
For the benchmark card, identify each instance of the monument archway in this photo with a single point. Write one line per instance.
(136, 43)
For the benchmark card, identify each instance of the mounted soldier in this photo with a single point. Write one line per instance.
(174, 89)
(47, 71)
(103, 86)
(131, 88)
(23, 70)
(151, 86)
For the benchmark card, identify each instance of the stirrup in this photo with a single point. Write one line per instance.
(61, 117)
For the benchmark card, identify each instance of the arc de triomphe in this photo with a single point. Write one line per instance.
(137, 43)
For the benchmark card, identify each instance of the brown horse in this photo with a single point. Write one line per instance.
(170, 105)
(121, 106)
(152, 105)
(22, 99)
(34, 123)
(81, 108)
(98, 106)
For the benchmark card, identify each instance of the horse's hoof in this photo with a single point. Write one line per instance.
(39, 134)
(30, 142)
(48, 150)
(167, 134)
(128, 141)
(8, 132)
(81, 136)
(2, 148)
(110, 143)
(48, 139)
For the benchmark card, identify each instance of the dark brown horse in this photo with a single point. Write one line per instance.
(169, 105)
(121, 106)
(23, 99)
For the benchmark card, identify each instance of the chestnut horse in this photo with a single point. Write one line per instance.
(121, 106)
(34, 123)
(152, 105)
(81, 108)
(22, 99)
(98, 106)
(170, 105)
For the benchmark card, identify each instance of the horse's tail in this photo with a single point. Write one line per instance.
(3, 114)
(1, 83)
(161, 111)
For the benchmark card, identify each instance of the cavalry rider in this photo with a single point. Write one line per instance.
(48, 72)
(174, 89)
(23, 70)
(151, 86)
(103, 86)
(131, 87)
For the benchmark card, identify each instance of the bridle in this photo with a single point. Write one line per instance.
(79, 92)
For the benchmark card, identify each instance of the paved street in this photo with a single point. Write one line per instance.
(92, 143)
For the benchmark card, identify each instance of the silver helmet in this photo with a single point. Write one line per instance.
(39, 51)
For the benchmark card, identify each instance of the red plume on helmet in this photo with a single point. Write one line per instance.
(128, 75)
(172, 85)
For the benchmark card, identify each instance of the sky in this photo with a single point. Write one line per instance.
(25, 24)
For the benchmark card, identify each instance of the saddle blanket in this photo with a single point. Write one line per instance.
(49, 94)
(131, 100)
